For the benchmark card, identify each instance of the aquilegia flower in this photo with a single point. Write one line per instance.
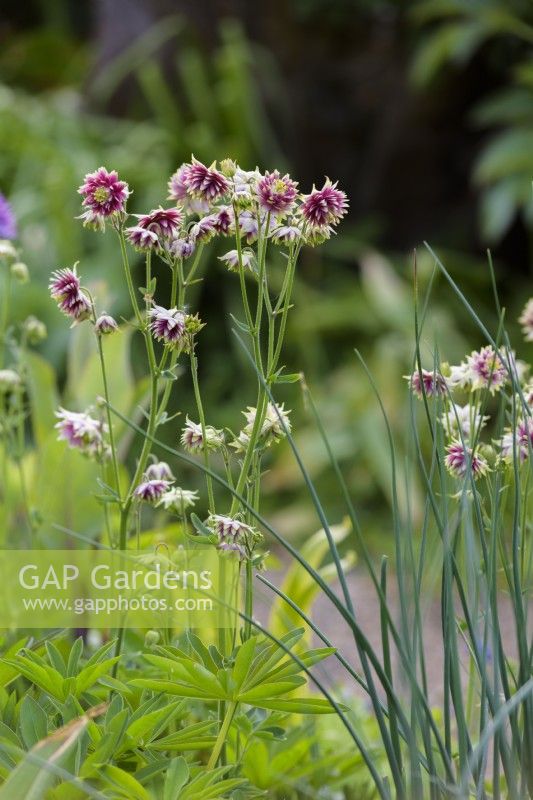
(177, 499)
(142, 239)
(8, 225)
(104, 194)
(486, 369)
(206, 183)
(526, 321)
(275, 426)
(151, 491)
(326, 206)
(105, 324)
(433, 383)
(286, 234)
(232, 533)
(192, 438)
(164, 222)
(224, 220)
(204, 229)
(519, 441)
(65, 290)
(183, 247)
(177, 190)
(159, 470)
(460, 459)
(168, 325)
(227, 527)
(231, 259)
(82, 432)
(276, 194)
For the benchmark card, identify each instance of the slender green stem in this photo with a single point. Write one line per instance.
(4, 318)
(222, 734)
(201, 414)
(112, 443)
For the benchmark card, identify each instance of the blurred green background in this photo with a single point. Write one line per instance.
(423, 111)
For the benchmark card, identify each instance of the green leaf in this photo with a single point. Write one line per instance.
(193, 737)
(45, 677)
(243, 661)
(39, 769)
(301, 705)
(74, 657)
(124, 782)
(176, 778)
(44, 400)
(90, 674)
(33, 721)
(268, 690)
(149, 723)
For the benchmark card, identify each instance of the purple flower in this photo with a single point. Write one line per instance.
(142, 239)
(103, 193)
(177, 190)
(519, 441)
(183, 248)
(231, 259)
(204, 229)
(164, 222)
(8, 225)
(232, 547)
(460, 458)
(151, 491)
(276, 194)
(223, 220)
(192, 437)
(206, 183)
(177, 187)
(326, 206)
(286, 234)
(433, 383)
(228, 528)
(105, 324)
(65, 290)
(160, 471)
(168, 325)
(486, 369)
(82, 432)
(248, 226)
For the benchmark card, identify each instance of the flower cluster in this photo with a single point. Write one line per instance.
(157, 489)
(217, 200)
(465, 389)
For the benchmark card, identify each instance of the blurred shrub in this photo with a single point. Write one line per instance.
(500, 32)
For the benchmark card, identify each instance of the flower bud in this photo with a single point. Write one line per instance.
(20, 272)
(35, 330)
(7, 250)
(105, 324)
(10, 381)
(151, 638)
(228, 167)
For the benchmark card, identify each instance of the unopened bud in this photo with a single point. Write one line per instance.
(20, 272)
(35, 330)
